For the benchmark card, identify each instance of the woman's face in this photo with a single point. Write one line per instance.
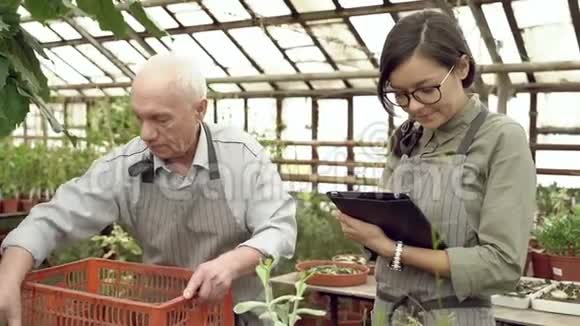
(423, 74)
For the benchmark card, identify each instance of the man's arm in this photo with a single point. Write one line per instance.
(80, 208)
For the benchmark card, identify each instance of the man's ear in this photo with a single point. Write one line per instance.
(200, 108)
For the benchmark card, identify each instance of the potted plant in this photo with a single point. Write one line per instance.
(560, 236)
(284, 310)
(333, 273)
(551, 201)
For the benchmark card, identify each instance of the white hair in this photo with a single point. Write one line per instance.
(184, 70)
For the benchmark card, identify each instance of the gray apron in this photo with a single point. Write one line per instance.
(436, 186)
(189, 227)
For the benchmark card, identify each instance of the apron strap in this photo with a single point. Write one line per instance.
(214, 172)
(475, 125)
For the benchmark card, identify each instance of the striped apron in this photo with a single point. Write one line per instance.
(436, 185)
(189, 227)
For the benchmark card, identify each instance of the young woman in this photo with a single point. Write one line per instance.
(470, 172)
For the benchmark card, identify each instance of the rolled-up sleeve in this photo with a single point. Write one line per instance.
(270, 210)
(79, 209)
(506, 219)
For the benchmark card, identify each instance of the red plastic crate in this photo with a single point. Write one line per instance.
(100, 292)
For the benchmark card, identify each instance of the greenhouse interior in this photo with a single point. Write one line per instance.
(332, 114)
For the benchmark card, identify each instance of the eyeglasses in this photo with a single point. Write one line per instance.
(425, 95)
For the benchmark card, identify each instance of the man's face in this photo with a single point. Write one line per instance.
(169, 120)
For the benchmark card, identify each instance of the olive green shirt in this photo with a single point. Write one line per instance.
(504, 204)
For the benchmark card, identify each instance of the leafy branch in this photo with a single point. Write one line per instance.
(22, 80)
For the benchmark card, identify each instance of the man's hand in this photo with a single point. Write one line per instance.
(210, 281)
(10, 309)
(15, 263)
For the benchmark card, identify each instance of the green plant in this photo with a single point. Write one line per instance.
(112, 123)
(21, 78)
(553, 200)
(319, 233)
(284, 310)
(118, 245)
(560, 234)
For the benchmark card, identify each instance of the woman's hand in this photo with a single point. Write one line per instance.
(369, 235)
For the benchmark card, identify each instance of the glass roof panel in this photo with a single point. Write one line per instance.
(268, 8)
(65, 31)
(80, 62)
(553, 42)
(91, 26)
(156, 45)
(224, 87)
(101, 79)
(363, 83)
(529, 13)
(53, 79)
(501, 32)
(373, 29)
(115, 91)
(305, 54)
(96, 56)
(40, 32)
(189, 14)
(289, 36)
(259, 46)
(472, 35)
(359, 3)
(308, 5)
(132, 22)
(69, 93)
(126, 53)
(161, 17)
(93, 92)
(292, 85)
(314, 67)
(63, 70)
(226, 10)
(327, 84)
(338, 41)
(222, 49)
(257, 87)
(139, 48)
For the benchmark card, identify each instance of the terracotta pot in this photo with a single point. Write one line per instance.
(27, 204)
(11, 205)
(541, 265)
(345, 318)
(565, 268)
(334, 280)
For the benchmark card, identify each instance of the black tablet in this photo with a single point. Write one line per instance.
(395, 213)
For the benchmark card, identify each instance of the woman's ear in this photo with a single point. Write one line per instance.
(462, 67)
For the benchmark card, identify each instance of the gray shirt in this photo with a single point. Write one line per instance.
(106, 194)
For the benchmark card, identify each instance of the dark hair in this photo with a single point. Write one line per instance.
(431, 33)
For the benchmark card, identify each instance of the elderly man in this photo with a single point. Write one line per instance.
(193, 195)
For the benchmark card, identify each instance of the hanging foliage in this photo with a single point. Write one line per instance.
(22, 81)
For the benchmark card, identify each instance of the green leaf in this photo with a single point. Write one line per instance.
(136, 9)
(287, 297)
(9, 24)
(13, 107)
(43, 10)
(4, 65)
(269, 315)
(107, 15)
(9, 5)
(31, 40)
(312, 312)
(25, 64)
(246, 306)
(263, 274)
